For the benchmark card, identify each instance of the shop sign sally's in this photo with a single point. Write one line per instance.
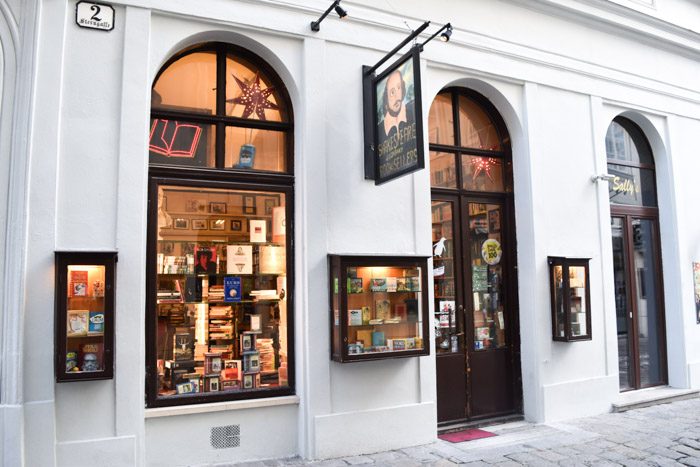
(393, 116)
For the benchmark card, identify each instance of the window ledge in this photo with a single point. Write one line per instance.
(221, 406)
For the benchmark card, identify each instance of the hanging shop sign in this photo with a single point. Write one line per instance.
(93, 15)
(394, 120)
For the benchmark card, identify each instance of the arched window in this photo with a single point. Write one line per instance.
(631, 162)
(219, 275)
(468, 150)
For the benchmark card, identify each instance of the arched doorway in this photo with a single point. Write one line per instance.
(476, 316)
(641, 333)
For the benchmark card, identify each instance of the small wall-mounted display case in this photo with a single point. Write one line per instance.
(570, 294)
(84, 315)
(378, 307)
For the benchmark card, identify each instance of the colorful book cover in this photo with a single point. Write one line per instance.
(378, 339)
(77, 323)
(377, 284)
(391, 284)
(205, 260)
(91, 357)
(383, 309)
(366, 314)
(354, 317)
(402, 284)
(232, 289)
(355, 285)
(96, 323)
(258, 231)
(400, 311)
(78, 283)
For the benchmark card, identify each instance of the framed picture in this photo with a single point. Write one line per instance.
(249, 204)
(270, 203)
(217, 208)
(181, 224)
(199, 224)
(236, 225)
(392, 107)
(167, 248)
(194, 205)
(188, 248)
(217, 224)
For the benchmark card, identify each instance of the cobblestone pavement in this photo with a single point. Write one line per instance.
(663, 435)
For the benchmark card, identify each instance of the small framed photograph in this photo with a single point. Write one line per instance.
(217, 224)
(167, 248)
(270, 203)
(199, 224)
(249, 204)
(181, 224)
(217, 208)
(236, 225)
(248, 381)
(194, 205)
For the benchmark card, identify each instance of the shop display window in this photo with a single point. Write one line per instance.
(221, 291)
(378, 307)
(570, 295)
(84, 315)
(219, 278)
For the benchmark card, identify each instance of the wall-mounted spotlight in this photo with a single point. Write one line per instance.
(445, 34)
(316, 25)
(602, 177)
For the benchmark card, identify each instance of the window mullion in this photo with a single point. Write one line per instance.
(220, 105)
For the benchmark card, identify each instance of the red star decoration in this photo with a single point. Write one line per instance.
(483, 164)
(254, 98)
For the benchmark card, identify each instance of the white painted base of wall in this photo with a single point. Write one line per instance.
(365, 432)
(107, 452)
(10, 439)
(580, 398)
(266, 433)
(694, 375)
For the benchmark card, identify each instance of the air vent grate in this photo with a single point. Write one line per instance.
(223, 437)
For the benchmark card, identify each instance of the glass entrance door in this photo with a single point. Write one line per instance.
(638, 301)
(473, 316)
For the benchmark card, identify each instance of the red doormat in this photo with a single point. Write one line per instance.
(466, 435)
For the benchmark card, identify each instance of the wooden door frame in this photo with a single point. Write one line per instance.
(627, 213)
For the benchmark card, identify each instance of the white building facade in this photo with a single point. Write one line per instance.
(75, 118)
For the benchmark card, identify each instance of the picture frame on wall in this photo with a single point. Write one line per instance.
(270, 204)
(495, 221)
(194, 205)
(249, 204)
(181, 224)
(217, 207)
(236, 225)
(217, 224)
(199, 224)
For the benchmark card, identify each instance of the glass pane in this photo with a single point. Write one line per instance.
(248, 148)
(176, 142)
(447, 336)
(443, 173)
(624, 338)
(482, 173)
(632, 186)
(647, 295)
(475, 127)
(627, 143)
(558, 287)
(487, 275)
(441, 128)
(250, 94)
(222, 294)
(187, 85)
(85, 330)
(577, 300)
(384, 309)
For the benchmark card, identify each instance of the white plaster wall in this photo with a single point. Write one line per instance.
(557, 84)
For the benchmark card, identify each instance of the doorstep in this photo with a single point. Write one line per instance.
(450, 428)
(652, 396)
